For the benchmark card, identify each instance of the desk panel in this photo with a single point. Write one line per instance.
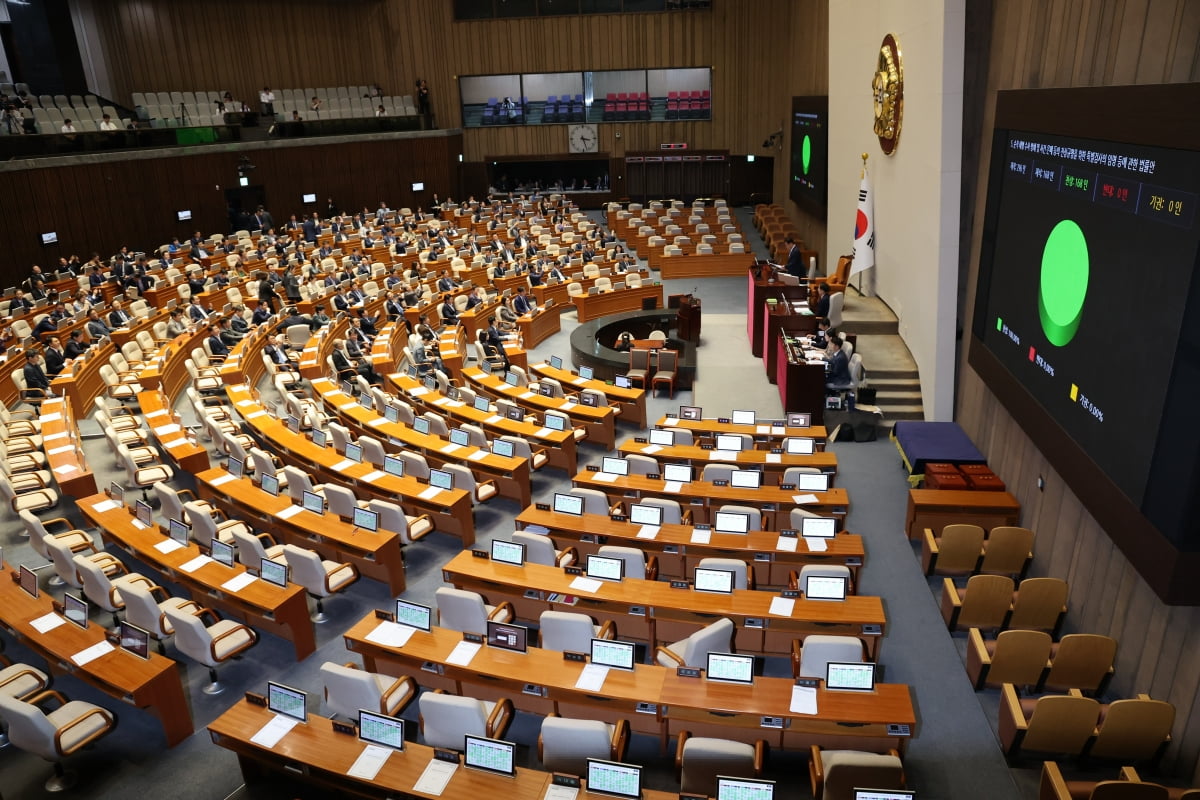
(601, 305)
(937, 508)
(632, 402)
(770, 463)
(599, 422)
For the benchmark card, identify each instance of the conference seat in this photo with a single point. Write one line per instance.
(568, 631)
(1133, 731)
(103, 590)
(1127, 786)
(212, 644)
(1017, 657)
(638, 564)
(1059, 723)
(1083, 661)
(811, 656)
(984, 603)
(63, 559)
(699, 760)
(540, 549)
(667, 371)
(348, 689)
(522, 449)
(565, 745)
(392, 518)
(320, 577)
(37, 530)
(56, 734)
(1039, 605)
(594, 501)
(205, 527)
(1007, 550)
(464, 611)
(835, 774)
(464, 479)
(579, 433)
(253, 547)
(743, 573)
(672, 512)
(639, 367)
(146, 607)
(956, 552)
(445, 718)
(415, 465)
(717, 637)
(837, 301)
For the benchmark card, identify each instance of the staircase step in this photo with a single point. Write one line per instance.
(902, 412)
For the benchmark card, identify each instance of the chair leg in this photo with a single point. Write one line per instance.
(214, 686)
(61, 780)
(320, 616)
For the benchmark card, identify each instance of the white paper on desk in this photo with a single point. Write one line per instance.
(430, 493)
(568, 401)
(195, 564)
(778, 430)
(579, 381)
(165, 430)
(816, 544)
(434, 778)
(585, 584)
(723, 455)
(66, 448)
(782, 606)
(106, 505)
(786, 543)
(141, 526)
(605, 477)
(154, 414)
(441, 401)
(176, 442)
(478, 455)
(454, 403)
(493, 419)
(64, 468)
(47, 622)
(270, 734)
(369, 762)
(451, 448)
(288, 512)
(390, 634)
(220, 479)
(373, 475)
(774, 458)
(673, 487)
(651, 448)
(648, 531)
(670, 422)
(168, 546)
(804, 700)
(375, 423)
(418, 391)
(55, 417)
(256, 414)
(542, 433)
(701, 537)
(801, 499)
(526, 395)
(591, 678)
(560, 792)
(762, 428)
(55, 436)
(347, 406)
(88, 654)
(244, 403)
(238, 582)
(343, 465)
(462, 653)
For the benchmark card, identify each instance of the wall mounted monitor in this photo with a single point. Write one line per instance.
(605, 568)
(614, 466)
(143, 512)
(50, 238)
(308, 198)
(319, 437)
(273, 572)
(714, 580)
(744, 789)
(555, 423)
(623, 382)
(286, 701)
(508, 552)
(799, 419)
(643, 514)
(221, 552)
(613, 653)
(813, 482)
(270, 484)
(730, 441)
(28, 580)
(556, 362)
(742, 417)
(507, 636)
(729, 667)
(800, 446)
(677, 473)
(134, 639)
(482, 404)
(745, 478)
(441, 479)
(460, 437)
(313, 502)
(490, 755)
(393, 465)
(613, 778)
(731, 522)
(511, 378)
(414, 615)
(825, 587)
(380, 729)
(236, 467)
(587, 373)
(883, 794)
(183, 216)
(568, 504)
(662, 437)
(366, 519)
(179, 531)
(418, 186)
(691, 412)
(818, 527)
(391, 413)
(421, 425)
(809, 156)
(354, 452)
(503, 448)
(849, 677)
(75, 609)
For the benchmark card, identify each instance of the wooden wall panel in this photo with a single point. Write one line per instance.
(1054, 43)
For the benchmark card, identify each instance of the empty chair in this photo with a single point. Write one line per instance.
(673, 513)
(637, 563)
(522, 449)
(143, 477)
(579, 433)
(319, 577)
(836, 302)
(1007, 551)
(299, 482)
(565, 745)
(644, 465)
(956, 552)
(342, 501)
(743, 573)
(811, 658)
(824, 571)
(74, 541)
(594, 501)
(700, 760)
(348, 689)
(1016, 657)
(1081, 661)
(392, 518)
(539, 549)
(446, 718)
(753, 515)
(63, 559)
(567, 631)
(1133, 731)
(639, 366)
(146, 606)
(835, 774)
(667, 372)
(205, 527)
(467, 612)
(212, 644)
(1128, 786)
(984, 603)
(1060, 724)
(105, 591)
(1039, 605)
(715, 472)
(33, 497)
(56, 734)
(464, 479)
(693, 651)
(253, 547)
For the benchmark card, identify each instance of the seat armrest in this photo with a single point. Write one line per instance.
(403, 686)
(267, 539)
(44, 695)
(760, 755)
(608, 630)
(681, 740)
(335, 570)
(212, 648)
(1053, 785)
(498, 721)
(207, 612)
(652, 568)
(46, 523)
(929, 552)
(749, 576)
(978, 659)
(951, 603)
(418, 518)
(503, 612)
(86, 740)
(670, 655)
(620, 740)
(686, 516)
(1012, 720)
(797, 647)
(1129, 774)
(793, 582)
(816, 771)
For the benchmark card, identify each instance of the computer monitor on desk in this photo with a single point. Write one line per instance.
(319, 437)
(693, 413)
(366, 519)
(75, 610)
(744, 789)
(730, 668)
(605, 568)
(731, 522)
(556, 362)
(714, 580)
(311, 501)
(380, 729)
(490, 755)
(623, 382)
(236, 467)
(270, 484)
(28, 581)
(813, 482)
(421, 425)
(393, 465)
(441, 479)
(179, 531)
(677, 473)
(799, 419)
(221, 552)
(818, 527)
(642, 514)
(273, 572)
(391, 413)
(613, 653)
(555, 423)
(568, 504)
(825, 587)
(662, 437)
(505, 552)
(134, 640)
(730, 441)
(502, 448)
(742, 417)
(482, 404)
(144, 513)
(883, 794)
(746, 479)
(507, 636)
(287, 701)
(587, 373)
(460, 437)
(613, 778)
(850, 677)
(354, 452)
(614, 466)
(801, 446)
(414, 615)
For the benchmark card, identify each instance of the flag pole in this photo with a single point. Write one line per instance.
(861, 174)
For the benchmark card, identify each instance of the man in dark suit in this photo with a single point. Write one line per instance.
(822, 307)
(76, 346)
(449, 312)
(118, 317)
(55, 358)
(35, 378)
(312, 226)
(521, 304)
(795, 265)
(46, 326)
(216, 345)
(96, 327)
(446, 283)
(196, 311)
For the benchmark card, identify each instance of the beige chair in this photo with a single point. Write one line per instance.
(146, 607)
(568, 631)
(392, 518)
(63, 558)
(319, 577)
(835, 774)
(1017, 657)
(984, 603)
(1127, 786)
(212, 644)
(1039, 605)
(348, 689)
(464, 611)
(956, 552)
(20, 682)
(57, 734)
(811, 657)
(522, 449)
(37, 530)
(103, 590)
(464, 479)
(700, 760)
(143, 477)
(1081, 661)
(693, 651)
(1133, 731)
(1007, 551)
(445, 719)
(35, 498)
(565, 745)
(1060, 724)
(743, 573)
(540, 549)
(638, 564)
(594, 501)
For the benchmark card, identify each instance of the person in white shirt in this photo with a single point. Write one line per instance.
(267, 98)
(67, 127)
(106, 124)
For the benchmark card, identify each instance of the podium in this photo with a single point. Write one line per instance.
(687, 316)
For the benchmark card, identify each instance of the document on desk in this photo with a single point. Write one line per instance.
(786, 543)
(478, 455)
(430, 493)
(269, 735)
(672, 487)
(441, 401)
(256, 414)
(47, 622)
(591, 678)
(64, 468)
(373, 475)
(66, 448)
(816, 544)
(221, 479)
(195, 564)
(493, 419)
(369, 762)
(804, 700)
(803, 499)
(164, 430)
(141, 526)
(462, 653)
(347, 406)
(774, 458)
(238, 582)
(168, 546)
(526, 395)
(583, 584)
(651, 448)
(435, 777)
(648, 531)
(670, 422)
(54, 437)
(375, 423)
(579, 381)
(89, 654)
(451, 448)
(289, 512)
(390, 634)
(418, 391)
(782, 606)
(106, 505)
(605, 477)
(55, 417)
(244, 403)
(701, 537)
(762, 428)
(343, 465)
(723, 455)
(542, 433)
(560, 792)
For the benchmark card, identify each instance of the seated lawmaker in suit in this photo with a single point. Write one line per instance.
(449, 312)
(838, 377)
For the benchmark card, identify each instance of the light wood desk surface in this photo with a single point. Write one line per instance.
(632, 402)
(594, 306)
(599, 422)
(709, 427)
(698, 456)
(64, 456)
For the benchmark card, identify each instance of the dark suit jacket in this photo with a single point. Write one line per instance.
(54, 361)
(795, 265)
(35, 378)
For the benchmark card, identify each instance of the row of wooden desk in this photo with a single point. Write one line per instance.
(594, 306)
(631, 401)
(599, 422)
(699, 455)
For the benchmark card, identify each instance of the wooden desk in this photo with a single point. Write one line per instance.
(82, 384)
(593, 306)
(376, 555)
(179, 444)
(801, 385)
(653, 612)
(153, 685)
(771, 463)
(474, 320)
(783, 318)
(283, 612)
(537, 327)
(632, 402)
(758, 290)
(678, 557)
(710, 265)
(709, 427)
(936, 508)
(64, 456)
(599, 422)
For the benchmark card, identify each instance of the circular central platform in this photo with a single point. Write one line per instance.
(591, 343)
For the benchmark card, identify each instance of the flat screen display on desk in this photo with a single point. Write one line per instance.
(511, 378)
(745, 478)
(825, 587)
(587, 373)
(849, 677)
(691, 413)
(490, 755)
(730, 441)
(134, 639)
(729, 667)
(421, 425)
(393, 465)
(662, 437)
(441, 479)
(391, 413)
(28, 580)
(677, 473)
(731, 522)
(613, 778)
(366, 400)
(799, 419)
(644, 514)
(482, 404)
(348, 388)
(143, 512)
(556, 362)
(460, 437)
(75, 610)
(613, 653)
(313, 502)
(589, 399)
(545, 390)
(380, 729)
(293, 423)
(800, 446)
(507, 636)
(414, 615)
(605, 568)
(273, 572)
(508, 552)
(514, 413)
(179, 531)
(556, 423)
(221, 552)
(714, 580)
(883, 794)
(502, 448)
(354, 452)
(623, 382)
(742, 417)
(116, 492)
(287, 701)
(236, 467)
(319, 437)
(813, 482)
(366, 519)
(744, 789)
(614, 466)
(818, 527)
(568, 504)
(270, 484)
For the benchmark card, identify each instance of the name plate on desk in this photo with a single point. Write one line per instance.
(720, 483)
(573, 570)
(542, 506)
(639, 440)
(680, 584)
(450, 756)
(723, 420)
(687, 672)
(790, 594)
(788, 487)
(480, 553)
(569, 655)
(473, 637)
(592, 468)
(571, 781)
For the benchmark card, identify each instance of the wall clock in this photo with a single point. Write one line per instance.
(583, 138)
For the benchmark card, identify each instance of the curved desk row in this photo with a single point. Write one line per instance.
(710, 427)
(64, 455)
(698, 456)
(598, 422)
(632, 402)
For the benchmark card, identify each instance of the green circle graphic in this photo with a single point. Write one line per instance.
(1064, 282)
(806, 153)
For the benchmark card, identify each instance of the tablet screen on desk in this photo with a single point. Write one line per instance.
(611, 653)
(366, 519)
(677, 473)
(221, 552)
(508, 552)
(545, 390)
(515, 414)
(825, 587)
(365, 400)
(691, 412)
(799, 420)
(511, 378)
(744, 789)
(116, 492)
(414, 615)
(391, 413)
(813, 482)
(507, 636)
(460, 437)
(393, 465)
(714, 580)
(589, 399)
(662, 437)
(729, 667)
(287, 701)
(354, 452)
(490, 755)
(568, 504)
(348, 388)
(731, 522)
(236, 468)
(623, 382)
(643, 514)
(800, 446)
(482, 404)
(179, 531)
(730, 441)
(883, 794)
(134, 639)
(441, 479)
(614, 466)
(605, 568)
(556, 362)
(587, 373)
(818, 527)
(28, 581)
(742, 417)
(75, 610)
(380, 729)
(849, 677)
(556, 423)
(145, 514)
(273, 572)
(270, 484)
(319, 437)
(313, 502)
(610, 777)
(502, 448)
(421, 425)
(745, 478)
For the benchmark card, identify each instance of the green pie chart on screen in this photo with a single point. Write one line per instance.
(806, 153)
(1064, 282)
